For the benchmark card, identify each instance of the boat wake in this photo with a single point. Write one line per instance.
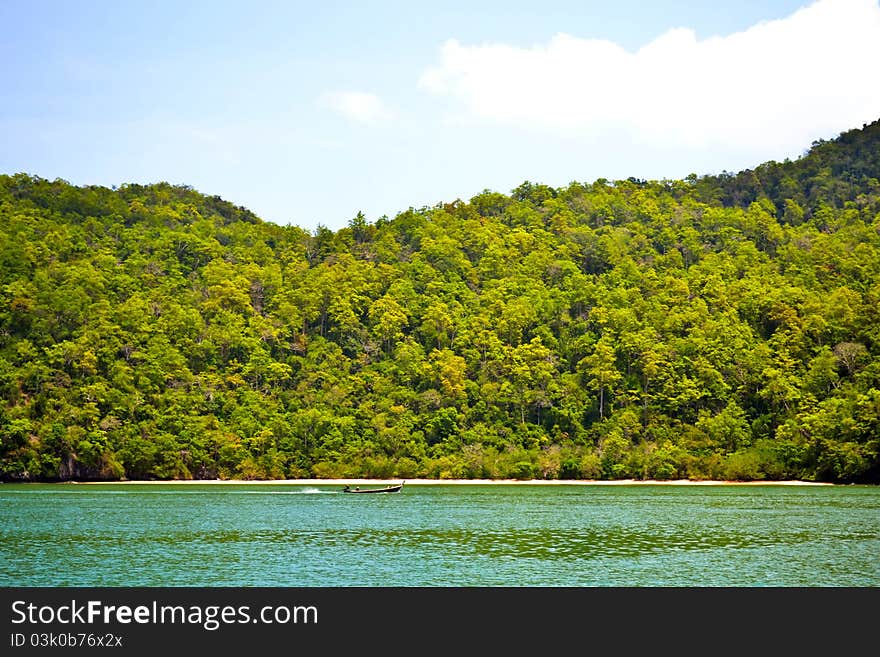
(304, 491)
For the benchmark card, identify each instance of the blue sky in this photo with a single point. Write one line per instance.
(308, 112)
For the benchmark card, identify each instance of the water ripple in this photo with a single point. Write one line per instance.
(442, 536)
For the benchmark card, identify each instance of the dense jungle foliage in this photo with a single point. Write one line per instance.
(717, 327)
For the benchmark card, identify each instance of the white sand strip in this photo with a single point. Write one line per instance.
(463, 482)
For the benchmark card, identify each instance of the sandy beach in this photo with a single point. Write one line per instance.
(466, 482)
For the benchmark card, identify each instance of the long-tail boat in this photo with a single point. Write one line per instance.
(387, 489)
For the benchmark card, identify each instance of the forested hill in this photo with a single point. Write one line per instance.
(723, 327)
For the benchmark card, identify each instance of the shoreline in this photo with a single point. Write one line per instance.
(446, 482)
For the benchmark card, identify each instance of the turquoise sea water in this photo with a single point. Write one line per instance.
(499, 535)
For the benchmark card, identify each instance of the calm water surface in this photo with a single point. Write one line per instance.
(283, 535)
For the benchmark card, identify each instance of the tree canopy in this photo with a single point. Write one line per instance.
(723, 327)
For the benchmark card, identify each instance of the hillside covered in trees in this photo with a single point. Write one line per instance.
(718, 327)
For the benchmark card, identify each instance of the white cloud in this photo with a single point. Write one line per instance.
(778, 84)
(357, 106)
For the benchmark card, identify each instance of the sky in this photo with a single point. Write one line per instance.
(310, 112)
